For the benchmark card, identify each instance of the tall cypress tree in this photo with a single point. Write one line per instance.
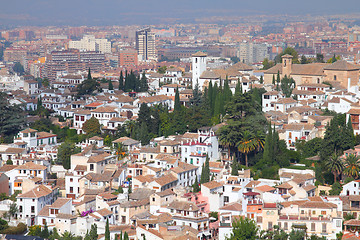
(214, 93)
(261, 79)
(238, 88)
(107, 230)
(121, 81)
(195, 186)
(177, 105)
(205, 172)
(111, 87)
(273, 80)
(207, 169)
(209, 94)
(268, 148)
(227, 92)
(234, 168)
(143, 83)
(278, 80)
(89, 75)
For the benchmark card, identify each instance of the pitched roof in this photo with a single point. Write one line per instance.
(342, 65)
(7, 168)
(314, 69)
(318, 204)
(183, 205)
(165, 179)
(105, 110)
(31, 166)
(284, 185)
(60, 202)
(164, 193)
(98, 158)
(235, 206)
(37, 192)
(265, 188)
(199, 54)
(104, 212)
(28, 130)
(212, 184)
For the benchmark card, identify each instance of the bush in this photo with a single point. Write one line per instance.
(19, 229)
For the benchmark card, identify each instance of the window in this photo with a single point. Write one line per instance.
(323, 212)
(71, 180)
(270, 225)
(226, 199)
(324, 227)
(285, 225)
(312, 227)
(338, 223)
(334, 77)
(32, 209)
(153, 199)
(91, 167)
(71, 189)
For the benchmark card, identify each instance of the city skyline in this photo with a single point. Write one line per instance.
(110, 12)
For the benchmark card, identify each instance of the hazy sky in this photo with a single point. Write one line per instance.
(100, 12)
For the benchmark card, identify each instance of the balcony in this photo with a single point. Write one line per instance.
(255, 202)
(305, 218)
(225, 224)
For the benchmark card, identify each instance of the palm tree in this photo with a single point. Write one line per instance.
(67, 235)
(246, 145)
(120, 151)
(259, 139)
(130, 126)
(352, 166)
(335, 165)
(226, 140)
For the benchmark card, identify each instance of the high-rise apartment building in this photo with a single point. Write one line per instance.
(72, 61)
(145, 44)
(90, 43)
(252, 52)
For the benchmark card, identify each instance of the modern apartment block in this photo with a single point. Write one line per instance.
(73, 61)
(90, 43)
(252, 52)
(145, 44)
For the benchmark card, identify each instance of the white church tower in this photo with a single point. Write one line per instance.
(198, 67)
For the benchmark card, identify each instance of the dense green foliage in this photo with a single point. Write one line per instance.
(339, 136)
(107, 230)
(335, 189)
(92, 127)
(18, 68)
(287, 85)
(244, 229)
(12, 119)
(133, 82)
(289, 51)
(205, 172)
(65, 150)
(88, 86)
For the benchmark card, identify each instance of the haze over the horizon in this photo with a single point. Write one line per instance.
(120, 12)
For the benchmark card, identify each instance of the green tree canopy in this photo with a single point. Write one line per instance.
(244, 229)
(65, 150)
(12, 118)
(91, 126)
